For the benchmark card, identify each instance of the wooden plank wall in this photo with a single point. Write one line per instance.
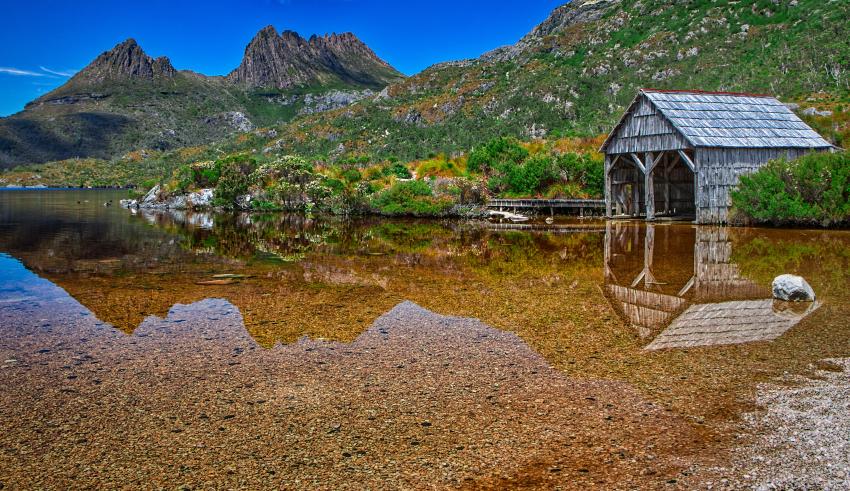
(719, 171)
(645, 130)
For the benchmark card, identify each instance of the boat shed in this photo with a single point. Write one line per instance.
(679, 153)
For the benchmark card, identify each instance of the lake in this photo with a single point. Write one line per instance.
(166, 349)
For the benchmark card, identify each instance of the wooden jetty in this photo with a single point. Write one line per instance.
(580, 207)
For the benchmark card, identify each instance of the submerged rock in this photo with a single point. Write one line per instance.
(791, 288)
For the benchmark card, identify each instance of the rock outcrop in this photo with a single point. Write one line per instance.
(288, 60)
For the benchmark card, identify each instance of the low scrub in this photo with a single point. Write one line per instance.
(414, 198)
(513, 169)
(812, 190)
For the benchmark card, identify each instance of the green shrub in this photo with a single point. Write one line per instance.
(235, 179)
(584, 170)
(399, 170)
(410, 198)
(497, 154)
(812, 190)
(530, 176)
(351, 175)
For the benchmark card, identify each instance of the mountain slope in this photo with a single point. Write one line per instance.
(125, 99)
(577, 71)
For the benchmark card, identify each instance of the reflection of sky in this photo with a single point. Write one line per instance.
(17, 284)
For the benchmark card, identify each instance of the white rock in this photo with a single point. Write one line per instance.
(200, 199)
(152, 195)
(129, 203)
(791, 288)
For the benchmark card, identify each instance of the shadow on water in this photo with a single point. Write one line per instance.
(681, 314)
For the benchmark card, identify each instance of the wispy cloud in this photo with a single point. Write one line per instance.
(61, 73)
(22, 73)
(45, 72)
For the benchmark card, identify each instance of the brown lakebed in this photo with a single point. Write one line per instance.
(160, 350)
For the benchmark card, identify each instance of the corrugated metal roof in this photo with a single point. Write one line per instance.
(734, 120)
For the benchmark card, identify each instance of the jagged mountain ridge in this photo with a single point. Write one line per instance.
(125, 99)
(288, 60)
(127, 59)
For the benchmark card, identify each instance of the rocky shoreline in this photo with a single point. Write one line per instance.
(800, 437)
(203, 200)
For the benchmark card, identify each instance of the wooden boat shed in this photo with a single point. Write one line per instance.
(679, 153)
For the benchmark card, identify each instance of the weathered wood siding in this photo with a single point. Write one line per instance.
(719, 170)
(645, 130)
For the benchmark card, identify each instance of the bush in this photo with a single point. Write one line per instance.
(530, 176)
(410, 198)
(399, 170)
(584, 170)
(497, 154)
(234, 180)
(812, 190)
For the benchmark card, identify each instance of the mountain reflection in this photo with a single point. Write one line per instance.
(291, 276)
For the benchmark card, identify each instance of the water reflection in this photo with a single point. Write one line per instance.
(682, 278)
(195, 318)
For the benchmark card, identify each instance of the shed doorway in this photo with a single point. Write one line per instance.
(674, 188)
(627, 187)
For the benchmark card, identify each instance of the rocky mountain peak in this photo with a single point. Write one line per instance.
(126, 60)
(288, 60)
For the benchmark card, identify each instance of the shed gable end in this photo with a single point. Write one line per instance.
(645, 129)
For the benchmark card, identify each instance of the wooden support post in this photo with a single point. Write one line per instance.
(649, 188)
(667, 189)
(687, 160)
(635, 197)
(609, 188)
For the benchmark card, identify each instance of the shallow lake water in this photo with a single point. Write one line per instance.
(166, 349)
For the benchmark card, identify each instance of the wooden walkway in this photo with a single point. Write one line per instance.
(592, 207)
(555, 229)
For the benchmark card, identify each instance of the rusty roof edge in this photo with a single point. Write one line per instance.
(707, 92)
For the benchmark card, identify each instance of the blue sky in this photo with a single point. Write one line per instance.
(43, 41)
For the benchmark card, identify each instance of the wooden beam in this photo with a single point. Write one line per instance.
(687, 286)
(654, 162)
(638, 162)
(687, 160)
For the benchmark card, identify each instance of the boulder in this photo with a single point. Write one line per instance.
(152, 195)
(200, 199)
(129, 203)
(791, 288)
